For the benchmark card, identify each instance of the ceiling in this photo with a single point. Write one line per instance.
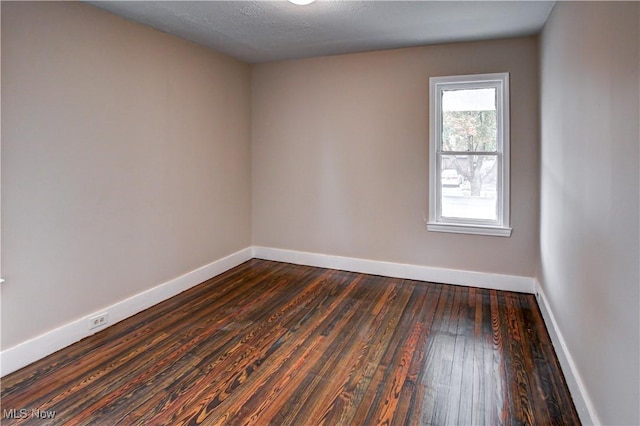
(263, 31)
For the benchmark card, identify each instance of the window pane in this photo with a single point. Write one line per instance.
(469, 120)
(469, 186)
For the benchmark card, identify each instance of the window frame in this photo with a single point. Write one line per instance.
(501, 226)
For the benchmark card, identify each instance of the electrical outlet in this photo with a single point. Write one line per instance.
(98, 321)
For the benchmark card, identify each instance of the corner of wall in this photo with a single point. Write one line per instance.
(582, 401)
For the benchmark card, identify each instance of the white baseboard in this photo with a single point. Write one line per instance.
(34, 349)
(399, 270)
(581, 399)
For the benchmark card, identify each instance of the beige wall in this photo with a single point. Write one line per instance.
(130, 157)
(125, 161)
(589, 196)
(340, 156)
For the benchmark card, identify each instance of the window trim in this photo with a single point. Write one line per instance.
(501, 226)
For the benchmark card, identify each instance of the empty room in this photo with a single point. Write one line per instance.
(320, 212)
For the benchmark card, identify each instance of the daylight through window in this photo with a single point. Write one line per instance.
(469, 154)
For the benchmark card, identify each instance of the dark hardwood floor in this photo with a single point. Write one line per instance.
(274, 343)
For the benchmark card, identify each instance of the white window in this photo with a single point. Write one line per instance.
(469, 154)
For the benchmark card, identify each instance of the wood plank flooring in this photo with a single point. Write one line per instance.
(275, 343)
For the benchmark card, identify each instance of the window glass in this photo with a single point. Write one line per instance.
(469, 120)
(469, 186)
(469, 154)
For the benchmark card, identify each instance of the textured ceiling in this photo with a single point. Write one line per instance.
(262, 31)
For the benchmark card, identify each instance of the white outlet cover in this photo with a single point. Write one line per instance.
(99, 320)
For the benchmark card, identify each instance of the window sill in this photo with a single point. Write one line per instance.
(494, 231)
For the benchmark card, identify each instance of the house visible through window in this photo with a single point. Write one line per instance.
(469, 154)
